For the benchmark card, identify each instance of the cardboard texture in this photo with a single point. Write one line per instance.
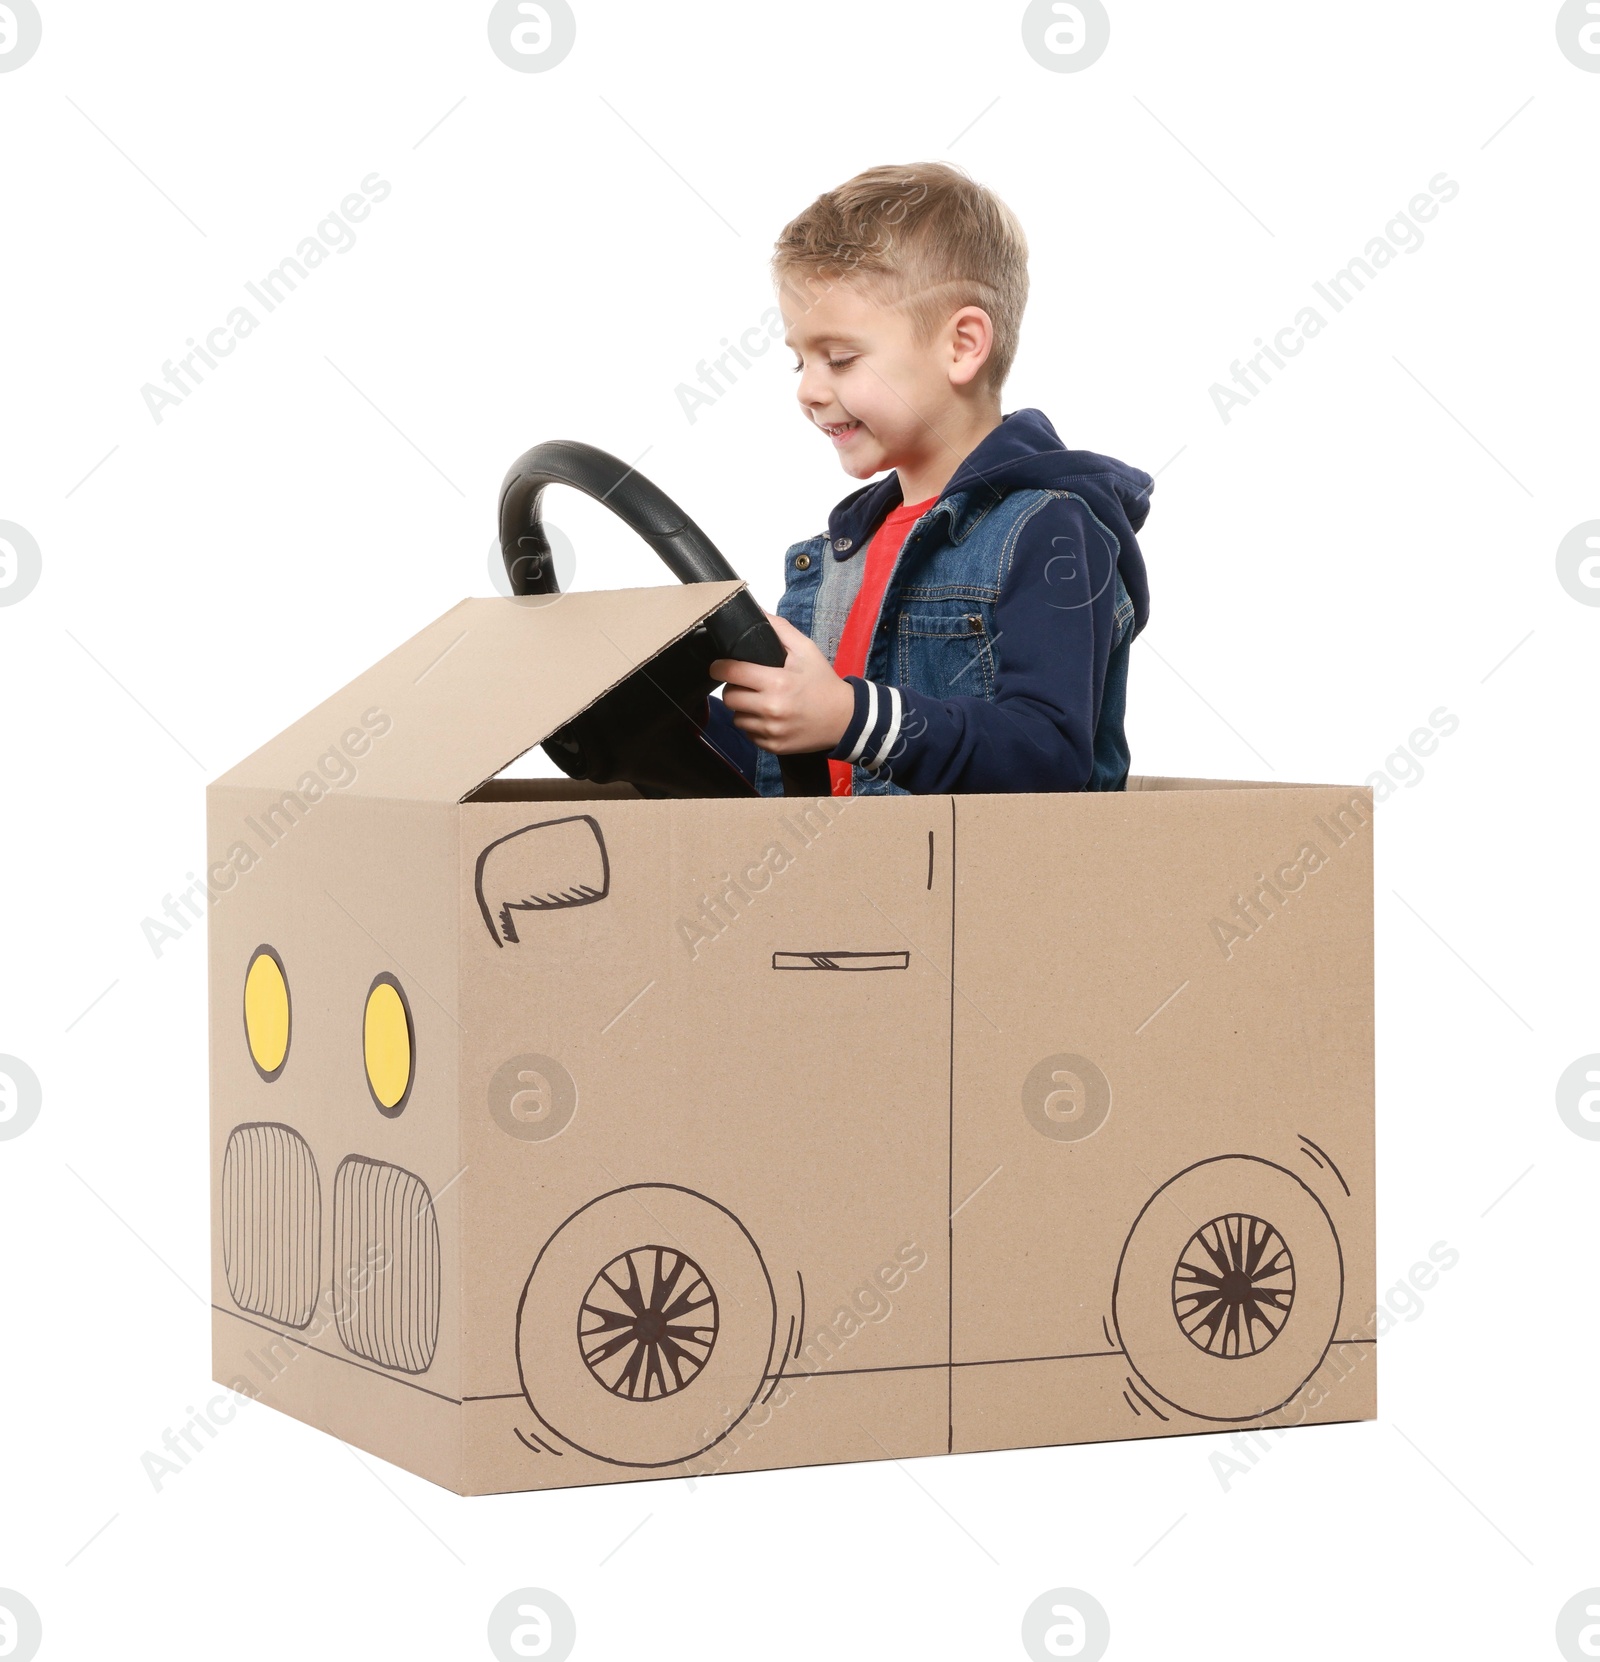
(563, 1136)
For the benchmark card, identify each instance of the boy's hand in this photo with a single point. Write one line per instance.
(802, 707)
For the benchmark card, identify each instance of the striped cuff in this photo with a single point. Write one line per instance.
(874, 727)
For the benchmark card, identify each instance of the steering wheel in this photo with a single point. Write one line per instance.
(595, 746)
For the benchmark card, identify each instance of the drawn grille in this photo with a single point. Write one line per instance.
(386, 1249)
(271, 1223)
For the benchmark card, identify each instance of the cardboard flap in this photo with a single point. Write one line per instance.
(475, 689)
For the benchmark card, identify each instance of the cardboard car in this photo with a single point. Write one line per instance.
(570, 1131)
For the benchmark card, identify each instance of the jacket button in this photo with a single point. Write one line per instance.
(802, 562)
(842, 543)
(974, 625)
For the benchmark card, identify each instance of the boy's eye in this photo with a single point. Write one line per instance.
(830, 363)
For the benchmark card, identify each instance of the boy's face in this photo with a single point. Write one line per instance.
(882, 396)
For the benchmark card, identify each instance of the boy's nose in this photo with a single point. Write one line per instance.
(812, 393)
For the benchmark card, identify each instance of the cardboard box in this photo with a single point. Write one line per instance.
(562, 1135)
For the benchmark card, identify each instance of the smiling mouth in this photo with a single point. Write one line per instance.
(837, 430)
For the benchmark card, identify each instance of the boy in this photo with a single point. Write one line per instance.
(964, 623)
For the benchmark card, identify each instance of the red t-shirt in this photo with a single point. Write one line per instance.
(851, 658)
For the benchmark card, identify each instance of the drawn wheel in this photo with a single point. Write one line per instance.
(1234, 1286)
(641, 1353)
(647, 1323)
(1227, 1318)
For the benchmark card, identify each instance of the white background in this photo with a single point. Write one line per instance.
(1364, 543)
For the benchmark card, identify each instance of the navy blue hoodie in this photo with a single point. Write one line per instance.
(999, 657)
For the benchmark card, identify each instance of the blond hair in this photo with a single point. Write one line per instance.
(928, 238)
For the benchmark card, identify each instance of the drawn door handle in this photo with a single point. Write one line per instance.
(841, 960)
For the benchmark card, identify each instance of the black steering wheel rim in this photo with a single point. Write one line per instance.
(738, 628)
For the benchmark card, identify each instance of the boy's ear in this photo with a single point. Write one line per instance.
(970, 338)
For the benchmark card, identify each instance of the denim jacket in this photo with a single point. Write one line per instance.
(999, 658)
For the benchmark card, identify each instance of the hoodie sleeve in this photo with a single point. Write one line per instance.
(1054, 627)
(735, 747)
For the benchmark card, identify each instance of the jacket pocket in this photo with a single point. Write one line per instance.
(945, 650)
